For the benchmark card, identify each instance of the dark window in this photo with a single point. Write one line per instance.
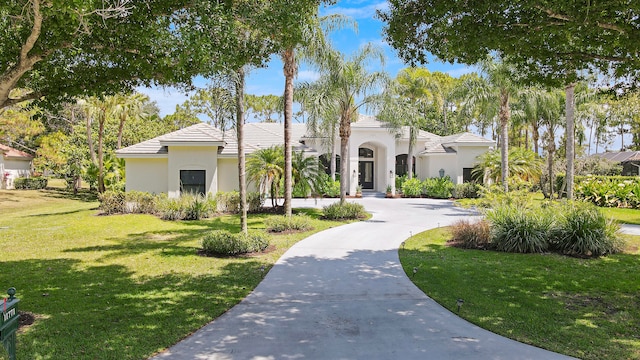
(325, 161)
(365, 153)
(466, 175)
(192, 181)
(402, 166)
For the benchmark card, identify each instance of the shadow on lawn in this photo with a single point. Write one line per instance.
(105, 312)
(582, 307)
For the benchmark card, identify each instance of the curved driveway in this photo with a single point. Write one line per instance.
(342, 294)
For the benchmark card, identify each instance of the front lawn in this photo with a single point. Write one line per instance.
(122, 286)
(588, 308)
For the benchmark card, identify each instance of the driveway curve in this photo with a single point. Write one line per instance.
(342, 294)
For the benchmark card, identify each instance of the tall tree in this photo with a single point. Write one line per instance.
(406, 102)
(347, 84)
(555, 42)
(264, 107)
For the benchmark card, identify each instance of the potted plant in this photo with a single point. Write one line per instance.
(389, 194)
(359, 191)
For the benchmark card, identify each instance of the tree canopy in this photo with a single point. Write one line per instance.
(552, 40)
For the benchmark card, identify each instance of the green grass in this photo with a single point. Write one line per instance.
(623, 216)
(584, 308)
(118, 287)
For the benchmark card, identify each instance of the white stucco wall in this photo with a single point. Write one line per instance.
(146, 174)
(192, 158)
(227, 174)
(433, 163)
(11, 169)
(383, 144)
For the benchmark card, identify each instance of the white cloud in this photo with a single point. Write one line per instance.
(460, 71)
(361, 12)
(308, 75)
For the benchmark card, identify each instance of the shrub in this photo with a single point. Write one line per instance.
(494, 195)
(229, 202)
(139, 202)
(197, 207)
(583, 230)
(519, 230)
(468, 190)
(400, 181)
(412, 187)
(344, 211)
(470, 235)
(327, 187)
(112, 202)
(288, 223)
(439, 188)
(170, 208)
(225, 243)
(34, 183)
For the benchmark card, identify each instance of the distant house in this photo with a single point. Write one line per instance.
(630, 161)
(13, 164)
(204, 158)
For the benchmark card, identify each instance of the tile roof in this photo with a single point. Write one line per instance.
(201, 132)
(437, 148)
(10, 152)
(620, 156)
(466, 137)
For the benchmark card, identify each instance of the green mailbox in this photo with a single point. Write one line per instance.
(9, 323)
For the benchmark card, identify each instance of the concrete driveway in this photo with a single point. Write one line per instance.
(342, 294)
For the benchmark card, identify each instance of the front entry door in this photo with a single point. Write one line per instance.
(365, 178)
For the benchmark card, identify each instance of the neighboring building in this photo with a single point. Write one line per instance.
(204, 159)
(630, 161)
(13, 164)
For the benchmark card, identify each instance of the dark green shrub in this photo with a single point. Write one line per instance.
(225, 243)
(112, 202)
(583, 230)
(519, 230)
(34, 183)
(469, 190)
(470, 235)
(400, 181)
(255, 201)
(344, 211)
(327, 187)
(286, 223)
(412, 188)
(438, 188)
(229, 202)
(139, 202)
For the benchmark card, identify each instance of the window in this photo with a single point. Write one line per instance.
(325, 161)
(466, 175)
(402, 166)
(192, 181)
(365, 153)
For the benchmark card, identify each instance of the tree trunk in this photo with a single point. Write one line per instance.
(92, 151)
(120, 130)
(410, 153)
(504, 137)
(332, 164)
(535, 134)
(569, 108)
(345, 133)
(289, 73)
(101, 122)
(241, 158)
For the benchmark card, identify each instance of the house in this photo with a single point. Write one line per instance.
(204, 159)
(13, 164)
(630, 161)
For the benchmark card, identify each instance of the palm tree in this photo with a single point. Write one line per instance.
(404, 104)
(524, 164)
(498, 88)
(265, 168)
(306, 171)
(124, 107)
(314, 46)
(345, 84)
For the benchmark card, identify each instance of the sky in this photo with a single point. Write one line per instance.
(270, 80)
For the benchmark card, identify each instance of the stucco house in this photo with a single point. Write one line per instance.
(630, 161)
(13, 164)
(204, 159)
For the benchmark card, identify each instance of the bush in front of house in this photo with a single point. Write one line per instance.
(229, 202)
(197, 206)
(583, 230)
(170, 208)
(112, 202)
(327, 187)
(468, 190)
(139, 202)
(283, 223)
(34, 183)
(344, 211)
(519, 230)
(471, 235)
(437, 187)
(225, 243)
(412, 187)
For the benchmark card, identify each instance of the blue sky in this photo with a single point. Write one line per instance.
(270, 79)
